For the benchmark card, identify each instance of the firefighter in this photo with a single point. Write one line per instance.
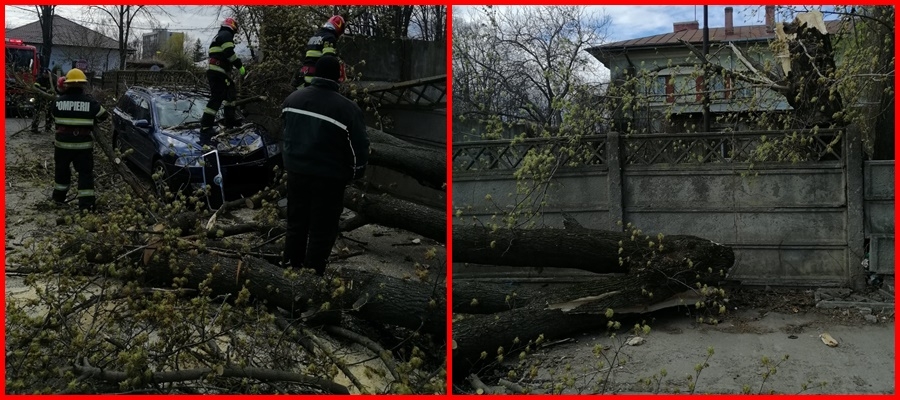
(320, 44)
(325, 147)
(61, 85)
(222, 91)
(41, 104)
(75, 113)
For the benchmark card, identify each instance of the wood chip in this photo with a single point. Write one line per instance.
(828, 340)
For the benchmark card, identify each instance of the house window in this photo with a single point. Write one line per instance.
(743, 90)
(658, 87)
(716, 87)
(682, 87)
(661, 85)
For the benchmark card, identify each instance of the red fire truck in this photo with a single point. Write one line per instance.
(22, 68)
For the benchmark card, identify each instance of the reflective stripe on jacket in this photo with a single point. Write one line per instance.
(324, 133)
(75, 114)
(320, 44)
(221, 52)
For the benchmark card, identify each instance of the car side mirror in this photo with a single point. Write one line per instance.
(142, 123)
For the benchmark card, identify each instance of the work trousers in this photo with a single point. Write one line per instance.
(83, 161)
(222, 91)
(314, 211)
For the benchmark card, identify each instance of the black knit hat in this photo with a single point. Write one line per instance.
(328, 67)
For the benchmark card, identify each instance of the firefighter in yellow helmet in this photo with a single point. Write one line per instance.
(76, 113)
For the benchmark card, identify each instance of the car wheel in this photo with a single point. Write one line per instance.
(160, 179)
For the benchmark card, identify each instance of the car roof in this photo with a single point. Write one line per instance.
(158, 91)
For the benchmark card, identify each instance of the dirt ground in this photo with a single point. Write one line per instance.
(31, 213)
(760, 323)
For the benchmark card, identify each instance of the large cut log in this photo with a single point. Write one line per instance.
(668, 279)
(474, 297)
(427, 165)
(371, 296)
(586, 249)
(392, 212)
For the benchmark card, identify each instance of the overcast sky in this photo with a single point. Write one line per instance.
(627, 21)
(634, 21)
(195, 21)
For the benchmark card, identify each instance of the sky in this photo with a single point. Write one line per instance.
(635, 21)
(196, 22)
(627, 21)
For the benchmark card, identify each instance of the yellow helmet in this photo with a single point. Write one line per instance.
(75, 76)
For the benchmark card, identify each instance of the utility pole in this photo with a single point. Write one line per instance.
(705, 86)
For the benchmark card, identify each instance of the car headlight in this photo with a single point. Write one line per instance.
(225, 147)
(273, 149)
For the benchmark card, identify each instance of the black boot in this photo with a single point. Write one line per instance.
(207, 124)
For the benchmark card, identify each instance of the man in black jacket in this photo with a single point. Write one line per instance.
(325, 147)
(323, 43)
(75, 113)
(221, 87)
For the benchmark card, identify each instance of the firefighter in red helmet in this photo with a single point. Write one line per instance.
(321, 44)
(222, 60)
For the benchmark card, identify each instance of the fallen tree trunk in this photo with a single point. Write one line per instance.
(371, 296)
(427, 165)
(556, 313)
(392, 212)
(586, 249)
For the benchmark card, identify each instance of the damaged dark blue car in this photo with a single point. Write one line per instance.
(161, 127)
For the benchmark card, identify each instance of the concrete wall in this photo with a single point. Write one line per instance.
(879, 211)
(394, 60)
(789, 224)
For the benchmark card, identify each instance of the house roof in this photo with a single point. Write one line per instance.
(741, 33)
(65, 33)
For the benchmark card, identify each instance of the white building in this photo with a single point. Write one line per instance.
(72, 43)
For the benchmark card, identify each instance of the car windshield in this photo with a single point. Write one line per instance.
(181, 109)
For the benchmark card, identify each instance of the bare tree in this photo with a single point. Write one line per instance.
(430, 22)
(383, 21)
(123, 17)
(45, 17)
(522, 64)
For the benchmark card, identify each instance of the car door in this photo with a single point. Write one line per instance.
(144, 142)
(123, 122)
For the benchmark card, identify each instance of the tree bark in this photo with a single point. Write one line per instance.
(427, 165)
(563, 311)
(389, 211)
(371, 296)
(586, 249)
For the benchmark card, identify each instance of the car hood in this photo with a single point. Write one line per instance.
(245, 141)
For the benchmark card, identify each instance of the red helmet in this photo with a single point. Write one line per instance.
(336, 23)
(230, 23)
